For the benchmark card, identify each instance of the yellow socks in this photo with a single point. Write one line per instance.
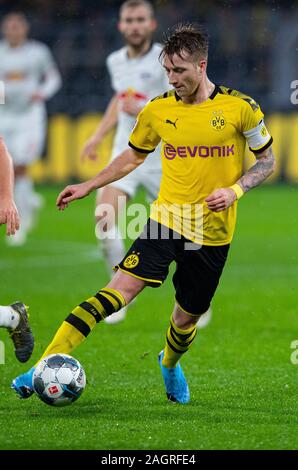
(83, 319)
(178, 341)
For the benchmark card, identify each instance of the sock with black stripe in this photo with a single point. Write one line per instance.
(83, 318)
(178, 341)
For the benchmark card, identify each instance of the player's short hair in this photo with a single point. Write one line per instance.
(137, 3)
(191, 38)
(19, 14)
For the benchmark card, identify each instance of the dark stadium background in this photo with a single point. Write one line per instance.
(243, 383)
(253, 45)
(253, 48)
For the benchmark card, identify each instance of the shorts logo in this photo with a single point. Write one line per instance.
(131, 261)
(264, 131)
(218, 121)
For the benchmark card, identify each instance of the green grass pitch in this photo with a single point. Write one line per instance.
(243, 385)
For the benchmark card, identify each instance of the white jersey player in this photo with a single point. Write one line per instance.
(30, 77)
(13, 317)
(139, 80)
(8, 212)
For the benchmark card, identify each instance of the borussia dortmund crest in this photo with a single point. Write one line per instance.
(218, 121)
(131, 261)
(264, 131)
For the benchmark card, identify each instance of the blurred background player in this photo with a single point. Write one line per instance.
(13, 317)
(30, 77)
(136, 77)
(8, 211)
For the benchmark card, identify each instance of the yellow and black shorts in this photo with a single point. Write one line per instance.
(198, 268)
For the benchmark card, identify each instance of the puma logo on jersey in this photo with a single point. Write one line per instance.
(168, 121)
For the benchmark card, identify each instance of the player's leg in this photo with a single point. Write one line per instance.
(14, 318)
(26, 146)
(81, 321)
(134, 273)
(110, 202)
(179, 337)
(120, 291)
(195, 280)
(22, 188)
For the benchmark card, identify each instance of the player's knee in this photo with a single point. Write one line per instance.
(183, 320)
(127, 285)
(185, 323)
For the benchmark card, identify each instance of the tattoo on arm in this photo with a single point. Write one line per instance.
(263, 168)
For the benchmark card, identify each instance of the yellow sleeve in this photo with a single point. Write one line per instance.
(144, 138)
(253, 127)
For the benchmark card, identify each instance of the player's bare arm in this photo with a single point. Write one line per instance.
(8, 211)
(263, 168)
(125, 163)
(107, 123)
(222, 198)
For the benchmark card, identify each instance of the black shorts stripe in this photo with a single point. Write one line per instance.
(113, 296)
(107, 305)
(79, 324)
(91, 309)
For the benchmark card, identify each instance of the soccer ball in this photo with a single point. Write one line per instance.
(59, 380)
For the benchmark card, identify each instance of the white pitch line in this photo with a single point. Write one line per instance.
(59, 254)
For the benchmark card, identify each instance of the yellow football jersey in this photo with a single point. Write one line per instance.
(203, 149)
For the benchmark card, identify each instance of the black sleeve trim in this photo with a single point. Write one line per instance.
(263, 148)
(138, 149)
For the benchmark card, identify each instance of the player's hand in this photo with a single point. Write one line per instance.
(9, 216)
(89, 150)
(130, 106)
(73, 192)
(220, 199)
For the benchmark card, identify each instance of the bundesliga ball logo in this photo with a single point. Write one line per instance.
(59, 380)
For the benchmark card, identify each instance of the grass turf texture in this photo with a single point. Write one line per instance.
(243, 385)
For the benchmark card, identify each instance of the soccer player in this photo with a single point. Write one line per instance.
(8, 211)
(13, 317)
(30, 77)
(136, 76)
(204, 129)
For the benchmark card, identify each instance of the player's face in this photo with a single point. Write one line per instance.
(184, 73)
(15, 29)
(136, 25)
